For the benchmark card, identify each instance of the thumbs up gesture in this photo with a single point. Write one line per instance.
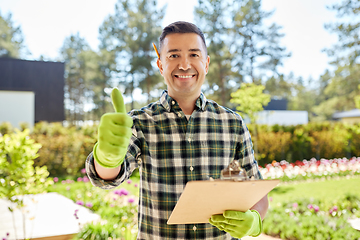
(114, 134)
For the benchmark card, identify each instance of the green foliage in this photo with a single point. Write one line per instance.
(18, 176)
(314, 140)
(240, 46)
(64, 149)
(11, 38)
(118, 214)
(5, 127)
(130, 32)
(357, 99)
(250, 99)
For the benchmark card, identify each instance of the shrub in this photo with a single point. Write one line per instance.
(64, 149)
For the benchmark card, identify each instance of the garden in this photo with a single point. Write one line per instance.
(316, 199)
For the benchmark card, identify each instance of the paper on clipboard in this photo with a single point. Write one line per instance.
(202, 199)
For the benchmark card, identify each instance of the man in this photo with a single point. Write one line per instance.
(182, 137)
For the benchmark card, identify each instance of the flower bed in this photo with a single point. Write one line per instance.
(313, 219)
(311, 169)
(117, 207)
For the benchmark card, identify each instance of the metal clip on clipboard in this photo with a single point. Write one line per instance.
(234, 172)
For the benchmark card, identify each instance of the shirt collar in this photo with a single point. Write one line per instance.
(167, 101)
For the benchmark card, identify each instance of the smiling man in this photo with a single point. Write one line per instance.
(182, 137)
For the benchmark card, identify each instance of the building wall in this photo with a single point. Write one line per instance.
(17, 107)
(285, 118)
(44, 79)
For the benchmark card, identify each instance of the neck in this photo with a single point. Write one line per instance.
(186, 103)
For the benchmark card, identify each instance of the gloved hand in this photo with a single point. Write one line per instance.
(238, 224)
(114, 133)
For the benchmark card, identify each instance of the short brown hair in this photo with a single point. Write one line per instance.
(181, 27)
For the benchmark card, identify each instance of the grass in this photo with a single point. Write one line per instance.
(332, 189)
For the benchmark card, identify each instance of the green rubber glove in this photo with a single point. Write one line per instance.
(238, 224)
(114, 134)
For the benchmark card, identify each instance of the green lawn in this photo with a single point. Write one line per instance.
(332, 190)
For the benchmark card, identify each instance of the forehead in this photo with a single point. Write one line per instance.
(183, 41)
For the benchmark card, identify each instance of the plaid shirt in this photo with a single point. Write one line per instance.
(171, 150)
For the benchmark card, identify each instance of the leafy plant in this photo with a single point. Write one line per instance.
(18, 176)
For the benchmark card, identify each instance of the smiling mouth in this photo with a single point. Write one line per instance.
(185, 76)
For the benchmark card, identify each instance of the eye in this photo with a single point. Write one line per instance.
(173, 56)
(194, 55)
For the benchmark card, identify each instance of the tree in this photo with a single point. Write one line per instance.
(130, 32)
(279, 87)
(250, 99)
(241, 47)
(102, 69)
(357, 99)
(212, 18)
(347, 49)
(341, 87)
(11, 38)
(257, 47)
(77, 55)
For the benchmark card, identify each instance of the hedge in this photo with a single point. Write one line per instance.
(64, 149)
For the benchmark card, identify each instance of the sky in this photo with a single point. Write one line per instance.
(46, 23)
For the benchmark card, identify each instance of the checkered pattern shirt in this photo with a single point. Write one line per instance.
(171, 150)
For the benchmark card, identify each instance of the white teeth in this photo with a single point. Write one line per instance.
(184, 76)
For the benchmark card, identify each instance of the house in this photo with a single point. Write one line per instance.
(276, 113)
(352, 116)
(31, 91)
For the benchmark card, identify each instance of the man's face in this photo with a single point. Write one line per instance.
(184, 64)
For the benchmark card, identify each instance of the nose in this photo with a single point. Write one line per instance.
(184, 64)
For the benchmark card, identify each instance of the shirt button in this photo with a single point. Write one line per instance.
(173, 102)
(191, 168)
(179, 114)
(194, 228)
(189, 139)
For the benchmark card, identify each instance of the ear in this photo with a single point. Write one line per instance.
(207, 64)
(159, 64)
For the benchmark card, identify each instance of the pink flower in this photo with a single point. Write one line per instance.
(83, 171)
(316, 208)
(131, 200)
(135, 185)
(124, 192)
(79, 179)
(295, 205)
(85, 179)
(129, 181)
(89, 204)
(80, 203)
(56, 179)
(75, 214)
(310, 206)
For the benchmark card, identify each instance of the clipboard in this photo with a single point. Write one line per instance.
(202, 199)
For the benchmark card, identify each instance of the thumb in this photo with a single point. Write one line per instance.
(117, 101)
